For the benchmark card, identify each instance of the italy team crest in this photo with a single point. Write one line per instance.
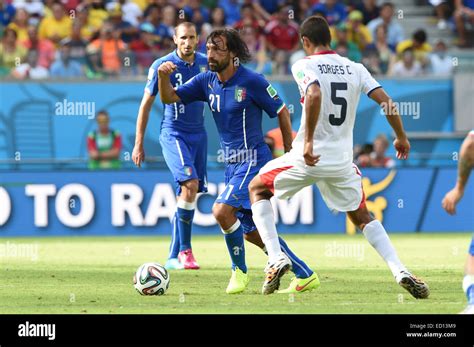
(240, 94)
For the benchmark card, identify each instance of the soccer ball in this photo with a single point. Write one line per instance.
(151, 279)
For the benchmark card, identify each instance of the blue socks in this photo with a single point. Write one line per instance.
(185, 223)
(234, 239)
(470, 295)
(300, 268)
(182, 225)
(174, 247)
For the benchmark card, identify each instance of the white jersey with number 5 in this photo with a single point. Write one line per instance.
(341, 82)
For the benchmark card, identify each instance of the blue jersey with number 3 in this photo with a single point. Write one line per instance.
(236, 105)
(189, 118)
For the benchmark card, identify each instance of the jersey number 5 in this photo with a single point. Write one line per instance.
(337, 100)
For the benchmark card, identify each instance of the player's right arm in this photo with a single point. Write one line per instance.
(138, 154)
(308, 84)
(465, 165)
(401, 143)
(312, 107)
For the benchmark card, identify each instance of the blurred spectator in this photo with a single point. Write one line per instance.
(132, 13)
(11, 53)
(394, 29)
(30, 69)
(231, 9)
(248, 19)
(257, 48)
(77, 45)
(20, 25)
(408, 66)
(271, 6)
(282, 38)
(362, 156)
(88, 29)
(343, 46)
(333, 10)
(126, 31)
(379, 56)
(97, 15)
(442, 10)
(195, 6)
(64, 66)
(378, 157)
(369, 10)
(143, 47)
(357, 32)
(302, 10)
(218, 19)
(420, 47)
(169, 18)
(441, 64)
(162, 34)
(106, 51)
(277, 141)
(35, 8)
(45, 48)
(104, 145)
(56, 27)
(464, 13)
(7, 13)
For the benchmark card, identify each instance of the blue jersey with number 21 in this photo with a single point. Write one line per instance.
(236, 105)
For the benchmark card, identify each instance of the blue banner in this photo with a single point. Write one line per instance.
(143, 202)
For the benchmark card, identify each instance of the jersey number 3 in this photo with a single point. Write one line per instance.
(337, 100)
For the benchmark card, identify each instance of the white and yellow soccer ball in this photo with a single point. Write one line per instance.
(151, 279)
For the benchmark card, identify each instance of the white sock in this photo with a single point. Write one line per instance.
(467, 282)
(186, 205)
(375, 233)
(262, 213)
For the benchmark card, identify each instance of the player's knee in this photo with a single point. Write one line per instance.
(258, 189)
(220, 213)
(189, 189)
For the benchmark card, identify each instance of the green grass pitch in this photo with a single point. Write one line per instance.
(94, 275)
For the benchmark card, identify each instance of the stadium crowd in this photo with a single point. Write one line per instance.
(100, 38)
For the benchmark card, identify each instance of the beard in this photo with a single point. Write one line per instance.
(218, 67)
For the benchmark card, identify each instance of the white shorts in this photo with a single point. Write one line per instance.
(285, 176)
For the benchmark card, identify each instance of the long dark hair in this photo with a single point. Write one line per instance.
(235, 44)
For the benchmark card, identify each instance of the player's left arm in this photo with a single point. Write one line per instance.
(465, 165)
(284, 122)
(267, 98)
(401, 143)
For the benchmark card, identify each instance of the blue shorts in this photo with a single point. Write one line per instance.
(236, 192)
(186, 156)
(471, 247)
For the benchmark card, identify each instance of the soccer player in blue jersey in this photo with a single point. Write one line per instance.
(237, 96)
(451, 199)
(183, 140)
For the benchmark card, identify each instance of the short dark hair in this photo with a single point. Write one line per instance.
(316, 29)
(387, 4)
(235, 44)
(186, 25)
(420, 36)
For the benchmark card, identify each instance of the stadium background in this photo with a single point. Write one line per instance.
(44, 151)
